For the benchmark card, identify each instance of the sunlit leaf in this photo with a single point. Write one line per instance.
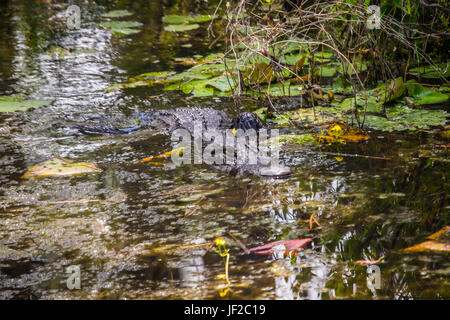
(57, 166)
(14, 103)
(429, 246)
(178, 19)
(423, 95)
(181, 27)
(117, 14)
(439, 234)
(430, 72)
(122, 27)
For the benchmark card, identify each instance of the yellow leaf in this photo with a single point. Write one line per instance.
(299, 63)
(429, 246)
(330, 96)
(437, 235)
(57, 167)
(339, 159)
(164, 155)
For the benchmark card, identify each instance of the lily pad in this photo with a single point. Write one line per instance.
(122, 27)
(327, 70)
(429, 72)
(299, 139)
(144, 79)
(14, 103)
(409, 120)
(57, 167)
(181, 27)
(178, 19)
(117, 14)
(424, 95)
(222, 83)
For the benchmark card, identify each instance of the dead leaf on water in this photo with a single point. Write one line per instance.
(428, 246)
(438, 243)
(57, 167)
(437, 235)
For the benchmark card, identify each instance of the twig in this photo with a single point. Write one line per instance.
(239, 243)
(188, 213)
(191, 246)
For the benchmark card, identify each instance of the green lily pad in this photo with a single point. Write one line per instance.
(375, 97)
(181, 27)
(358, 65)
(409, 120)
(117, 14)
(424, 95)
(14, 103)
(178, 19)
(203, 92)
(144, 79)
(122, 27)
(222, 83)
(299, 139)
(430, 73)
(327, 70)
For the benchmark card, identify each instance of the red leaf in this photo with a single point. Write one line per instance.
(367, 261)
(290, 245)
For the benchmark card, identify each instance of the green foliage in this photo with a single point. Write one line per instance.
(15, 103)
(117, 14)
(122, 27)
(424, 95)
(181, 27)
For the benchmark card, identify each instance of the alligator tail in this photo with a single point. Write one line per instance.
(94, 130)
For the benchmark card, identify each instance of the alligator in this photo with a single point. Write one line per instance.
(184, 118)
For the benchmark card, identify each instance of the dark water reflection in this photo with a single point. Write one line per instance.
(366, 208)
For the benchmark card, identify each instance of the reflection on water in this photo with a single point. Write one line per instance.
(118, 224)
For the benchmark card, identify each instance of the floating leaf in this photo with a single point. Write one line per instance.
(347, 68)
(122, 27)
(164, 155)
(429, 246)
(181, 27)
(259, 73)
(290, 246)
(117, 14)
(430, 73)
(14, 103)
(57, 167)
(299, 139)
(363, 262)
(439, 234)
(222, 83)
(145, 79)
(423, 95)
(201, 18)
(177, 19)
(340, 133)
(327, 70)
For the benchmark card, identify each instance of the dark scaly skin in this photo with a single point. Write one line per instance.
(170, 120)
